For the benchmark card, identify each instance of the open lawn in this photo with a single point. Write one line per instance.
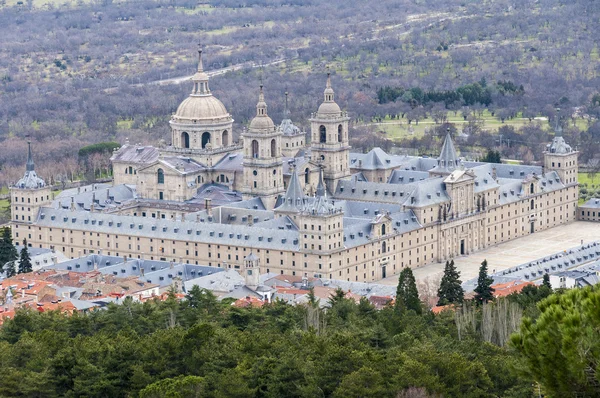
(398, 129)
(589, 179)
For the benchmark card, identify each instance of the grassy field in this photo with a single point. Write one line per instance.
(590, 180)
(398, 129)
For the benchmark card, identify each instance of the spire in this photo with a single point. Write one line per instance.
(200, 78)
(30, 165)
(328, 89)
(293, 200)
(448, 161)
(261, 106)
(285, 109)
(321, 191)
(200, 66)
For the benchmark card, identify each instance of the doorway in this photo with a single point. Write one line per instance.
(462, 247)
(383, 273)
(532, 227)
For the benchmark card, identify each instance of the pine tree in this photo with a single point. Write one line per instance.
(25, 260)
(546, 281)
(8, 252)
(9, 269)
(407, 295)
(484, 291)
(450, 291)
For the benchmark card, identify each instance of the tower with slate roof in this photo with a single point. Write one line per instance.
(448, 161)
(29, 194)
(560, 157)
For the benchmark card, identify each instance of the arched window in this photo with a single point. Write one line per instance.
(254, 149)
(185, 140)
(225, 138)
(160, 174)
(531, 188)
(383, 247)
(205, 139)
(130, 170)
(306, 176)
(383, 229)
(531, 205)
(273, 148)
(340, 133)
(322, 134)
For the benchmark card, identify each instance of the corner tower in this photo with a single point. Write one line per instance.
(263, 165)
(201, 122)
(29, 194)
(448, 161)
(329, 138)
(560, 157)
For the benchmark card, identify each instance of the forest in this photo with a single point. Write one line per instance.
(203, 347)
(81, 72)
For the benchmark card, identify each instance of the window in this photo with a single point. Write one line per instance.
(254, 149)
(322, 134)
(340, 133)
(160, 174)
(225, 138)
(205, 139)
(273, 148)
(185, 140)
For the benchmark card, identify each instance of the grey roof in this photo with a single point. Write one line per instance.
(593, 203)
(375, 159)
(448, 161)
(224, 282)
(102, 196)
(182, 164)
(559, 146)
(293, 200)
(372, 191)
(321, 191)
(219, 194)
(156, 272)
(428, 192)
(407, 176)
(30, 179)
(193, 231)
(288, 128)
(136, 154)
(230, 162)
(552, 264)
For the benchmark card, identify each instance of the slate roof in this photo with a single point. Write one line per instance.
(170, 229)
(593, 203)
(136, 154)
(375, 159)
(293, 199)
(448, 161)
(103, 196)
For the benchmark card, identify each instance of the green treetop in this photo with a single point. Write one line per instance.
(407, 295)
(8, 252)
(25, 260)
(450, 291)
(484, 291)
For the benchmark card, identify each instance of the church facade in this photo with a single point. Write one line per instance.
(294, 208)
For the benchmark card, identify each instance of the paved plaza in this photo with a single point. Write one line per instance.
(514, 252)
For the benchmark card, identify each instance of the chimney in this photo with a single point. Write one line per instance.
(54, 260)
(78, 189)
(171, 265)
(182, 217)
(92, 207)
(79, 253)
(250, 220)
(72, 203)
(142, 271)
(207, 206)
(107, 194)
(23, 292)
(494, 174)
(124, 258)
(180, 260)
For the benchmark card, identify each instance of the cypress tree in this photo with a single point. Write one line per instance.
(546, 281)
(25, 260)
(8, 252)
(407, 295)
(450, 291)
(484, 291)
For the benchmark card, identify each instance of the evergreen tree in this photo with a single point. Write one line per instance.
(546, 281)
(484, 291)
(450, 291)
(10, 269)
(25, 260)
(8, 252)
(407, 295)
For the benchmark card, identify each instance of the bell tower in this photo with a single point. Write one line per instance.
(263, 164)
(329, 138)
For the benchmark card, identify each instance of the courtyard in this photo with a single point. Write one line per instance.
(514, 252)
